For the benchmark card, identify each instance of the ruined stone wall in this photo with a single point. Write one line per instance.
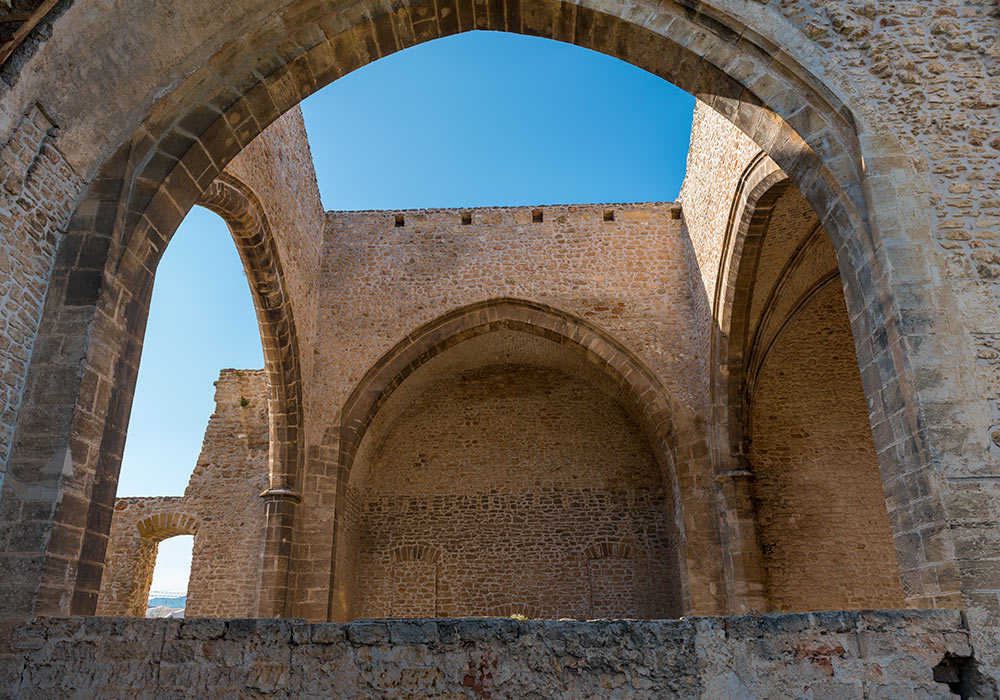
(820, 505)
(224, 491)
(137, 528)
(787, 392)
(221, 507)
(514, 489)
(830, 655)
(917, 80)
(38, 190)
(718, 154)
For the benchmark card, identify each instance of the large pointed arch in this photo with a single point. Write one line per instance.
(589, 352)
(243, 212)
(747, 329)
(216, 98)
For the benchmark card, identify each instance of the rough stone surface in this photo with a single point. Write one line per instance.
(839, 655)
(514, 490)
(37, 191)
(437, 503)
(883, 114)
(820, 504)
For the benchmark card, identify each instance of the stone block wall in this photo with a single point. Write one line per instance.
(884, 112)
(38, 190)
(818, 494)
(221, 507)
(622, 267)
(876, 655)
(717, 156)
(517, 488)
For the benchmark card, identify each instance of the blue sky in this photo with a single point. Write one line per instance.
(471, 120)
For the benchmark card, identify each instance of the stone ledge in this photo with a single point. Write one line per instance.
(845, 654)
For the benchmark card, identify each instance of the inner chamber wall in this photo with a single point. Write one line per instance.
(507, 489)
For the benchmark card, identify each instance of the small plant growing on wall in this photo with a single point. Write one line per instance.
(244, 401)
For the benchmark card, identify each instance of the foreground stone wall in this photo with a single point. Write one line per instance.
(877, 655)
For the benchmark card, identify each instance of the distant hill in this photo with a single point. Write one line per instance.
(175, 603)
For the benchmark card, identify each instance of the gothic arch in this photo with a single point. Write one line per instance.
(676, 440)
(242, 211)
(741, 348)
(99, 291)
(637, 385)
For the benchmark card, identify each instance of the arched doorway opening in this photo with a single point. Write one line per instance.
(144, 190)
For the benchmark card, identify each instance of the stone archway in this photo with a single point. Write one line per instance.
(243, 213)
(132, 558)
(138, 196)
(808, 526)
(583, 350)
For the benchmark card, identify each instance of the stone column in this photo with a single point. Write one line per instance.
(281, 504)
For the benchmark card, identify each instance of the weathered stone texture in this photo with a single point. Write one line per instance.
(38, 190)
(630, 276)
(824, 529)
(221, 507)
(718, 154)
(883, 114)
(878, 655)
(520, 488)
(385, 273)
(820, 504)
(277, 167)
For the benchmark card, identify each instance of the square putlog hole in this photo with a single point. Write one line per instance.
(537, 216)
(400, 220)
(466, 218)
(609, 214)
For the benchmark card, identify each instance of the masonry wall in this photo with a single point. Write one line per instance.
(718, 154)
(918, 80)
(834, 655)
(821, 509)
(621, 266)
(514, 489)
(38, 190)
(221, 507)
(820, 505)
(630, 276)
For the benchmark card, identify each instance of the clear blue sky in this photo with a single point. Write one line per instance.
(470, 120)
